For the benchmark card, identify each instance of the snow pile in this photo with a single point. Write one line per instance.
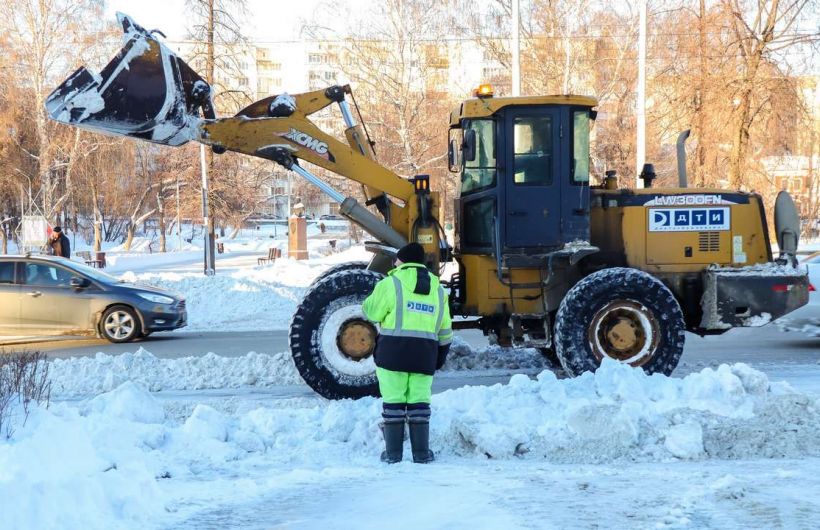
(259, 298)
(122, 462)
(462, 356)
(620, 412)
(84, 376)
(81, 376)
(66, 470)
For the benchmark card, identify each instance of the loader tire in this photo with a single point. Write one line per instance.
(621, 313)
(349, 266)
(328, 319)
(550, 355)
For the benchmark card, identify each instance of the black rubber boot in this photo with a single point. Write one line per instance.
(393, 442)
(418, 419)
(393, 432)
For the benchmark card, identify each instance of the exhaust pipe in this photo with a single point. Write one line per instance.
(145, 92)
(682, 180)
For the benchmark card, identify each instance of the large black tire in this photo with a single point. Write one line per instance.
(348, 266)
(330, 302)
(120, 323)
(550, 355)
(605, 307)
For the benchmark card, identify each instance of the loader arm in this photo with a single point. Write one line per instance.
(148, 92)
(254, 132)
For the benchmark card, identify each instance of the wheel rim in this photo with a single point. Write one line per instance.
(119, 325)
(626, 331)
(343, 339)
(356, 339)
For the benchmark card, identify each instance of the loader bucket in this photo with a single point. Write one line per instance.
(145, 92)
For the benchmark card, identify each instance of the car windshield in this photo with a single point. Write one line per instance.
(94, 274)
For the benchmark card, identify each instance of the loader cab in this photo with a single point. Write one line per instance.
(524, 173)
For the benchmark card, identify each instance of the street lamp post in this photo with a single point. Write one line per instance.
(210, 268)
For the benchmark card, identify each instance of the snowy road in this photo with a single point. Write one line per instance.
(783, 356)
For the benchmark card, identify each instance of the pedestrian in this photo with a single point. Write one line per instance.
(59, 243)
(411, 308)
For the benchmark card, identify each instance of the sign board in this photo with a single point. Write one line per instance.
(689, 219)
(34, 231)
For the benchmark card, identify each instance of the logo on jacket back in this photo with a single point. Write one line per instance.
(419, 307)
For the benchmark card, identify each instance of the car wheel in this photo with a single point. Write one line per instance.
(120, 324)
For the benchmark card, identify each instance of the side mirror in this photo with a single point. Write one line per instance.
(468, 145)
(452, 156)
(79, 283)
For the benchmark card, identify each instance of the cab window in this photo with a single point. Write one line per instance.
(532, 142)
(47, 275)
(580, 147)
(479, 223)
(481, 172)
(6, 272)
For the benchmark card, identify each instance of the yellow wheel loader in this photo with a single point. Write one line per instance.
(544, 259)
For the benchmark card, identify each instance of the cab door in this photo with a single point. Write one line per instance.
(9, 299)
(532, 178)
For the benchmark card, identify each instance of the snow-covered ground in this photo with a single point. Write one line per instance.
(723, 448)
(137, 441)
(251, 297)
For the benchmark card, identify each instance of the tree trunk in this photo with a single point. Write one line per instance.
(161, 214)
(700, 150)
(4, 237)
(129, 238)
(98, 220)
(740, 139)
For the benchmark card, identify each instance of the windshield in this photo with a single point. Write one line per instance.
(480, 173)
(94, 274)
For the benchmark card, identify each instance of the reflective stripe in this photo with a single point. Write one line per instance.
(409, 333)
(399, 304)
(440, 307)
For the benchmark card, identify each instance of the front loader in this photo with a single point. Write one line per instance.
(543, 259)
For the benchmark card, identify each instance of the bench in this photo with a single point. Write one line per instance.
(273, 254)
(98, 262)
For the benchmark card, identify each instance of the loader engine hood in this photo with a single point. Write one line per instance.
(145, 92)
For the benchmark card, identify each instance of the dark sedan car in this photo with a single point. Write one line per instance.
(42, 295)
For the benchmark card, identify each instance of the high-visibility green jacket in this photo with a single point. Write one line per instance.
(415, 329)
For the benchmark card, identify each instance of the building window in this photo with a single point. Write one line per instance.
(315, 58)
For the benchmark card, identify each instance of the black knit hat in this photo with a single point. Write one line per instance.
(411, 253)
(58, 229)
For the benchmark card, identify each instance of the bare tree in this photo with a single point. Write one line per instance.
(762, 29)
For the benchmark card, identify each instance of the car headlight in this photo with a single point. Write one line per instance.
(156, 298)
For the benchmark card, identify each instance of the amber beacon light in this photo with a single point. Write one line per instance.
(484, 90)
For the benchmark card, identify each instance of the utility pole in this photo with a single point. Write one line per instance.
(179, 221)
(209, 249)
(516, 49)
(640, 114)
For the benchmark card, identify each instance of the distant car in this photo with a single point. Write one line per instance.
(43, 295)
(331, 217)
(807, 318)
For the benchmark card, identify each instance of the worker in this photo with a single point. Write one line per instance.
(415, 332)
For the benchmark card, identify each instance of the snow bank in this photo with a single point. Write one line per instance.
(122, 462)
(83, 376)
(258, 298)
